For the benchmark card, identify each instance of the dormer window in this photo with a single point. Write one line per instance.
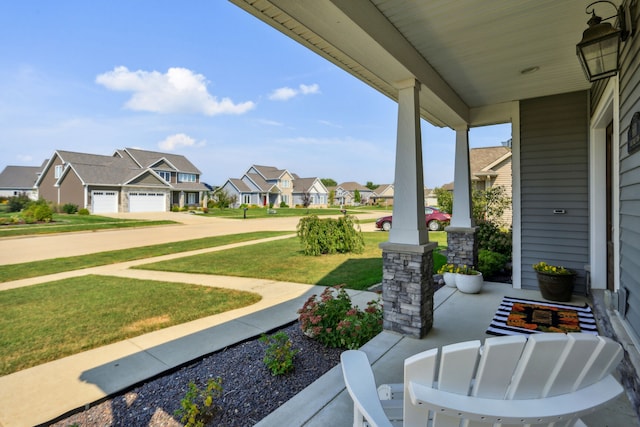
(58, 171)
(286, 183)
(186, 177)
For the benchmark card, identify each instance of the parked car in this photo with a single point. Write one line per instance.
(433, 216)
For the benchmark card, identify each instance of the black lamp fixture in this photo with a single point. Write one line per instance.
(599, 49)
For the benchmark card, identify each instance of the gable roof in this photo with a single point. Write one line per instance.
(481, 160)
(19, 177)
(300, 185)
(268, 172)
(353, 186)
(148, 159)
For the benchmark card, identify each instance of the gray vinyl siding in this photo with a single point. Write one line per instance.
(630, 182)
(554, 175)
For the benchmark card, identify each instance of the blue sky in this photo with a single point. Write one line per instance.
(201, 78)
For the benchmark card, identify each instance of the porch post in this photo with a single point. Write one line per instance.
(407, 262)
(461, 233)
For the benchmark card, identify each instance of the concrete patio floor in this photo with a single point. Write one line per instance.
(458, 317)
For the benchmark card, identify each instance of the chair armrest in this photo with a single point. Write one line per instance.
(525, 411)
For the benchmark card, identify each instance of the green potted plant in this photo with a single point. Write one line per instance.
(468, 280)
(555, 282)
(448, 272)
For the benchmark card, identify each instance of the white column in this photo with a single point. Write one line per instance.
(408, 208)
(462, 214)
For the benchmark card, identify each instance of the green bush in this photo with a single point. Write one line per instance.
(279, 355)
(196, 407)
(333, 321)
(283, 205)
(19, 202)
(329, 235)
(69, 208)
(38, 211)
(489, 263)
(492, 238)
(84, 211)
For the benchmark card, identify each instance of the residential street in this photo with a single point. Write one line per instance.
(34, 248)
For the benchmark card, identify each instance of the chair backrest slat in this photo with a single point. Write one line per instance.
(500, 356)
(539, 358)
(422, 368)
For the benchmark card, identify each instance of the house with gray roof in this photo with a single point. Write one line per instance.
(268, 186)
(130, 180)
(15, 180)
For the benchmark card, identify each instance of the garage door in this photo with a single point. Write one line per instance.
(104, 201)
(147, 202)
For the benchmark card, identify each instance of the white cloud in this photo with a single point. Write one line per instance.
(269, 122)
(178, 140)
(286, 93)
(179, 90)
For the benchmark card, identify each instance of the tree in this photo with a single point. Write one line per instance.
(328, 182)
(445, 199)
(356, 196)
(221, 199)
(371, 186)
(306, 199)
(490, 204)
(332, 196)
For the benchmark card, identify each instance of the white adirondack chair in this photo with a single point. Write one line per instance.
(545, 380)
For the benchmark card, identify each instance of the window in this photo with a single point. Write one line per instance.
(285, 198)
(58, 171)
(246, 199)
(191, 198)
(286, 183)
(165, 175)
(186, 177)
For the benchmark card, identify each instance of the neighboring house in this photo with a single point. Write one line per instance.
(576, 144)
(268, 186)
(15, 180)
(383, 195)
(490, 167)
(130, 180)
(345, 194)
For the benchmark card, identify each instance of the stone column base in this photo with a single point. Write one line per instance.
(407, 288)
(462, 245)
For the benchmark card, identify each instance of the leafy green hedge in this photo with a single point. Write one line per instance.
(329, 235)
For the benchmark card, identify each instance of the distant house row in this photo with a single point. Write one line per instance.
(133, 180)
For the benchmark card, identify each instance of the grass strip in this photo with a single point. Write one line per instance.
(50, 266)
(52, 320)
(283, 260)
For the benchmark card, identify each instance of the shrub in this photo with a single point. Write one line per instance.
(37, 212)
(279, 355)
(491, 262)
(334, 322)
(196, 407)
(283, 205)
(492, 238)
(18, 203)
(329, 235)
(84, 211)
(69, 208)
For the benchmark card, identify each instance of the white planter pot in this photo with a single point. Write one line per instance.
(449, 279)
(469, 283)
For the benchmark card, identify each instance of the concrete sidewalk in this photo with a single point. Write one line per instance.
(42, 393)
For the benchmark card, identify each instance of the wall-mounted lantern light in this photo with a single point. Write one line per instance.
(599, 49)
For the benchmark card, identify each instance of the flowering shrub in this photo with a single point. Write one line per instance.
(447, 268)
(543, 267)
(332, 320)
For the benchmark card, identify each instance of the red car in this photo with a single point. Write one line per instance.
(434, 218)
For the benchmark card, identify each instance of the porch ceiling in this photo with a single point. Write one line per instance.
(468, 55)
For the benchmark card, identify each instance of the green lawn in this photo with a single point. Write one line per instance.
(50, 266)
(63, 223)
(45, 322)
(283, 260)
